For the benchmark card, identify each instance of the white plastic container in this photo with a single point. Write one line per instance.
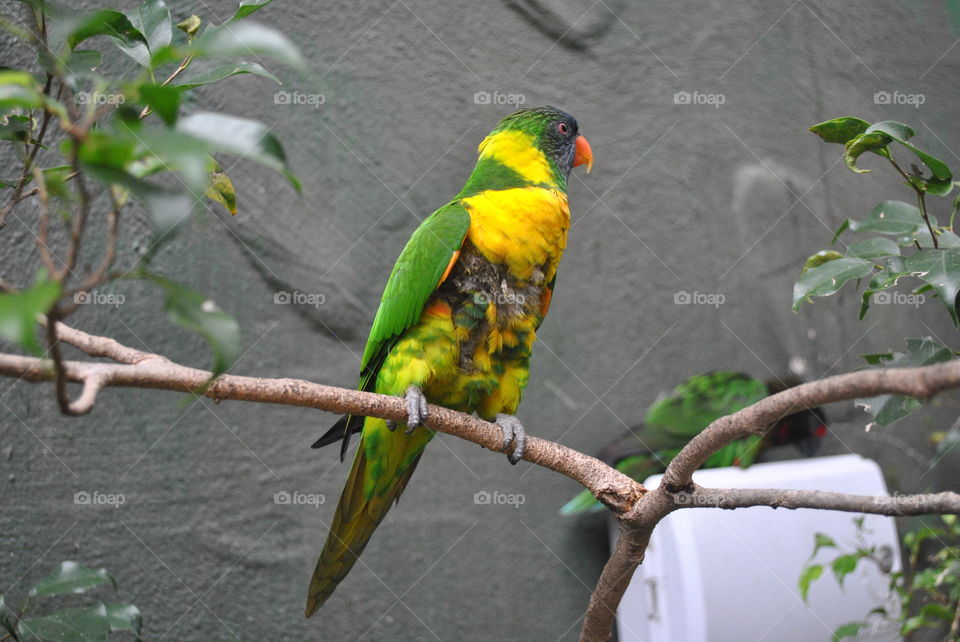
(718, 575)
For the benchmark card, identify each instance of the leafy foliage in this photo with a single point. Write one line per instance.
(906, 242)
(133, 136)
(935, 263)
(73, 624)
(927, 589)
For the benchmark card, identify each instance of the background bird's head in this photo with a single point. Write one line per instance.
(805, 430)
(540, 144)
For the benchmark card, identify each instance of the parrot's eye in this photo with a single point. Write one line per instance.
(563, 128)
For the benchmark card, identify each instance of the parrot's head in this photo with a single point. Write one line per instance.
(540, 144)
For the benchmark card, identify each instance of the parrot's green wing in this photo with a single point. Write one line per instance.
(695, 404)
(700, 400)
(423, 264)
(673, 421)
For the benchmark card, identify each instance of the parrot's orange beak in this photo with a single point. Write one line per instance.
(583, 154)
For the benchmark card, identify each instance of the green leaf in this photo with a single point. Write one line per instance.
(16, 127)
(192, 310)
(105, 22)
(914, 539)
(843, 565)
(874, 248)
(80, 66)
(873, 142)
(885, 278)
(72, 578)
(848, 631)
(911, 624)
(807, 577)
(818, 259)
(240, 136)
(941, 183)
(112, 158)
(164, 100)
(19, 89)
(840, 130)
(249, 6)
(240, 39)
(124, 617)
(69, 625)
(840, 230)
(105, 150)
(167, 55)
(828, 278)
(153, 20)
(941, 269)
(213, 75)
(938, 611)
(822, 541)
(891, 217)
(887, 409)
(19, 311)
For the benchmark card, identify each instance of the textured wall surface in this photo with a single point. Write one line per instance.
(724, 199)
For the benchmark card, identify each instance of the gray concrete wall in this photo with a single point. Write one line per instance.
(694, 198)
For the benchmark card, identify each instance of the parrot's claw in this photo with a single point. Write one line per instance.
(416, 410)
(513, 433)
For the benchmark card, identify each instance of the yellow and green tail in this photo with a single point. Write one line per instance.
(382, 467)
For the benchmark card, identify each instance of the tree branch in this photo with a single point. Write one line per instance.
(146, 370)
(637, 509)
(677, 490)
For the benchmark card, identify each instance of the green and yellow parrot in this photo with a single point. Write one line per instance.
(671, 422)
(458, 319)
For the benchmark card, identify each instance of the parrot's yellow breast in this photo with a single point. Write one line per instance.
(524, 228)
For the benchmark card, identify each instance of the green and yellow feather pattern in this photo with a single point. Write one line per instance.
(458, 316)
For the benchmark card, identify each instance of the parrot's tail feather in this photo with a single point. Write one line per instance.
(357, 516)
(341, 431)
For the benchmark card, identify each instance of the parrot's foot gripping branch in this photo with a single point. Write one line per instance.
(513, 433)
(416, 410)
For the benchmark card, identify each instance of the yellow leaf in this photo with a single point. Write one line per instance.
(221, 190)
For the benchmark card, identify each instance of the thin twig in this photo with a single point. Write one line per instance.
(44, 221)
